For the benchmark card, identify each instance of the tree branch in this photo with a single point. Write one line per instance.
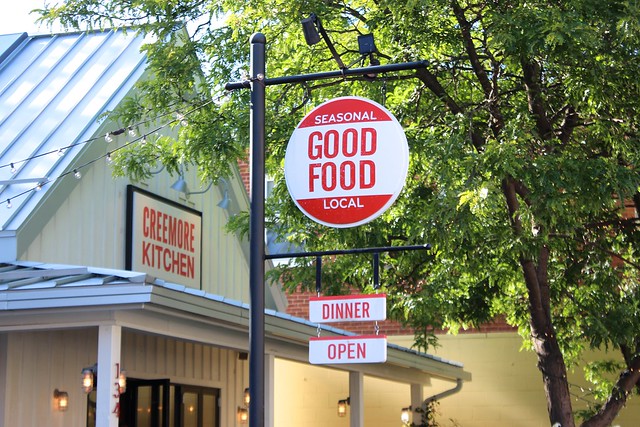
(531, 73)
(432, 83)
(618, 398)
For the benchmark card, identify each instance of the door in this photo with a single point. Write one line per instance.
(197, 406)
(145, 404)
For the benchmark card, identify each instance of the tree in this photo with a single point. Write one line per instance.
(523, 131)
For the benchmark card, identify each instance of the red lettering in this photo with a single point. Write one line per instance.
(152, 224)
(350, 138)
(165, 219)
(313, 176)
(329, 172)
(370, 136)
(192, 237)
(361, 350)
(146, 260)
(347, 169)
(145, 221)
(331, 144)
(365, 310)
(315, 149)
(367, 174)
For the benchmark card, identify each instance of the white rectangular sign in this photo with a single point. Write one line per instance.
(348, 308)
(352, 349)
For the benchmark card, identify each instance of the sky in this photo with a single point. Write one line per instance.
(15, 17)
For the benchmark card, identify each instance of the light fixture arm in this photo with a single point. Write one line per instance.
(200, 192)
(314, 18)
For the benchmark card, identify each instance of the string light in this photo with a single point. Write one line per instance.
(108, 138)
(181, 119)
(144, 140)
(109, 159)
(115, 132)
(132, 132)
(76, 172)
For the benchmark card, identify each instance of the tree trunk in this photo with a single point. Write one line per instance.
(554, 377)
(550, 358)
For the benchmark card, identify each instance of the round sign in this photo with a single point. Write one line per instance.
(346, 162)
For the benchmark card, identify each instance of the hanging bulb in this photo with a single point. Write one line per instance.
(132, 132)
(39, 186)
(108, 137)
(77, 174)
(144, 140)
(8, 203)
(109, 159)
(60, 152)
(182, 119)
(13, 168)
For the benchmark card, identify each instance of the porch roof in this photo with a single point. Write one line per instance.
(39, 296)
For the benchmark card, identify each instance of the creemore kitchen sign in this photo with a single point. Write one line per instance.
(164, 239)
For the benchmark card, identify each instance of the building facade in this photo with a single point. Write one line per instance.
(103, 279)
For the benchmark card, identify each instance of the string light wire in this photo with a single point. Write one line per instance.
(180, 118)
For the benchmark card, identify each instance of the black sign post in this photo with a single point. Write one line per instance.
(258, 82)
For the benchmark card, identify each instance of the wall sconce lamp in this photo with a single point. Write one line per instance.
(246, 397)
(310, 28)
(61, 400)
(243, 415)
(88, 378)
(342, 406)
(181, 186)
(405, 415)
(224, 203)
(122, 379)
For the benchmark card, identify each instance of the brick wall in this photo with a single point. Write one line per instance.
(243, 167)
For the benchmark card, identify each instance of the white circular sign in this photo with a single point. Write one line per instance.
(346, 162)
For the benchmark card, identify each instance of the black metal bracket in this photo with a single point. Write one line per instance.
(376, 251)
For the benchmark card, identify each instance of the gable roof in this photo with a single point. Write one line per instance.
(53, 89)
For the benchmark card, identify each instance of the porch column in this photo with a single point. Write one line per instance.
(417, 398)
(356, 399)
(107, 397)
(270, 389)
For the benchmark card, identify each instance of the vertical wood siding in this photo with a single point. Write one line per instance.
(89, 228)
(40, 362)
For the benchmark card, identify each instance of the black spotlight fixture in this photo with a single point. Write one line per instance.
(311, 26)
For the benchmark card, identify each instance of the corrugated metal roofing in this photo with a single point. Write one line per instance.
(53, 88)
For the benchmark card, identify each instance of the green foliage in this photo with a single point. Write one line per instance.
(537, 96)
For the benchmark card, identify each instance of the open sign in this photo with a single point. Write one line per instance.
(346, 162)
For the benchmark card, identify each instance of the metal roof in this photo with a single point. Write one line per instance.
(53, 89)
(36, 286)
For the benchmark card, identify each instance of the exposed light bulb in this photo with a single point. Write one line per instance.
(182, 119)
(13, 168)
(143, 141)
(108, 137)
(109, 159)
(39, 186)
(132, 132)
(77, 174)
(60, 152)
(9, 204)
